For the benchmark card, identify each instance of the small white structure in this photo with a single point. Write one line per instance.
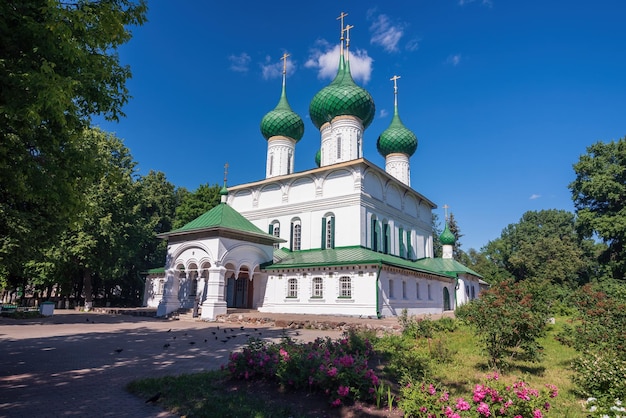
(345, 238)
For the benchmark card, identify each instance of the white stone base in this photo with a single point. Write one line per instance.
(210, 310)
(166, 308)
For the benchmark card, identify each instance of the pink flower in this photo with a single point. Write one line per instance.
(462, 404)
(537, 414)
(336, 403)
(479, 393)
(554, 391)
(343, 390)
(284, 354)
(431, 389)
(444, 397)
(332, 372)
(483, 409)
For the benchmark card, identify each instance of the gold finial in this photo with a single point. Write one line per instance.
(395, 79)
(284, 58)
(225, 172)
(341, 16)
(445, 209)
(347, 30)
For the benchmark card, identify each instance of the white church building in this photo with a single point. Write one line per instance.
(345, 238)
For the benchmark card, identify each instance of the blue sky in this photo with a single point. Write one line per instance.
(504, 96)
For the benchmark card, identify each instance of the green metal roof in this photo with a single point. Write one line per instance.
(284, 259)
(222, 217)
(342, 97)
(157, 270)
(445, 265)
(397, 138)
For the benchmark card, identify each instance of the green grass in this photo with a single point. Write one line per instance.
(457, 363)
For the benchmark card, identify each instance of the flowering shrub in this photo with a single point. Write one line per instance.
(613, 409)
(491, 399)
(508, 319)
(338, 368)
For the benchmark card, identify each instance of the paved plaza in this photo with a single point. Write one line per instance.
(76, 364)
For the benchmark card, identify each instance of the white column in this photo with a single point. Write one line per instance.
(169, 303)
(280, 155)
(341, 140)
(214, 304)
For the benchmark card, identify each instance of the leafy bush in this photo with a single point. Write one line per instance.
(493, 398)
(338, 368)
(403, 358)
(508, 319)
(599, 334)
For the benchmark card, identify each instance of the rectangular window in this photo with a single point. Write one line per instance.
(276, 233)
(391, 295)
(430, 295)
(401, 242)
(403, 289)
(339, 147)
(296, 235)
(345, 287)
(409, 249)
(417, 290)
(318, 287)
(292, 288)
(374, 233)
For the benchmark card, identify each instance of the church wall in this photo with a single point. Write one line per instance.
(418, 295)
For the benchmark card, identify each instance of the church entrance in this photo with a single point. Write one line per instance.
(446, 299)
(239, 291)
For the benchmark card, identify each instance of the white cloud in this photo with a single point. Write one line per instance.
(534, 196)
(412, 45)
(239, 63)
(270, 69)
(326, 62)
(386, 34)
(454, 59)
(488, 3)
(383, 113)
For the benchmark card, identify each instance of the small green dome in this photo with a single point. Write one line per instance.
(447, 237)
(396, 138)
(318, 157)
(342, 97)
(282, 121)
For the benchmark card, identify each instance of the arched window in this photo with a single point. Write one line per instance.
(161, 287)
(391, 294)
(374, 233)
(292, 288)
(296, 235)
(386, 234)
(328, 231)
(274, 230)
(345, 287)
(289, 162)
(339, 146)
(271, 164)
(317, 287)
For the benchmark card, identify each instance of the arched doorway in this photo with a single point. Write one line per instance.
(446, 299)
(239, 290)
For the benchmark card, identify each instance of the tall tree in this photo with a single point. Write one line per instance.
(195, 204)
(58, 67)
(437, 248)
(599, 195)
(543, 245)
(457, 253)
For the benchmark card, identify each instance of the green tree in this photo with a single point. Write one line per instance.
(480, 262)
(457, 253)
(195, 204)
(543, 245)
(599, 195)
(437, 248)
(58, 67)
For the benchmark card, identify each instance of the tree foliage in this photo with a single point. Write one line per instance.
(599, 195)
(543, 245)
(195, 204)
(58, 67)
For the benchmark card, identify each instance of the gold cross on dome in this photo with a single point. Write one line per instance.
(395, 78)
(445, 209)
(341, 16)
(347, 30)
(284, 58)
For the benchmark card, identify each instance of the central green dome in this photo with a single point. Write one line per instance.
(282, 121)
(396, 138)
(342, 97)
(447, 237)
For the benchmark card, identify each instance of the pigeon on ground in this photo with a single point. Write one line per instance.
(154, 398)
(118, 350)
(166, 345)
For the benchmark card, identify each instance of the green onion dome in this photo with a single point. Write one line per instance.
(447, 237)
(342, 97)
(396, 138)
(318, 158)
(282, 121)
